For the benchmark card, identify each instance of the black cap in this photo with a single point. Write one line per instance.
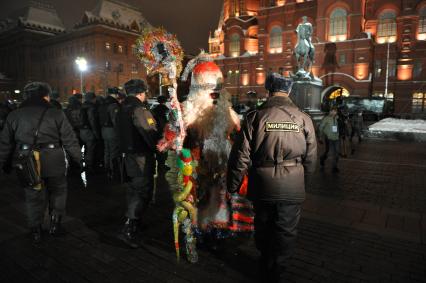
(135, 86)
(162, 99)
(113, 90)
(37, 89)
(78, 96)
(277, 83)
(54, 95)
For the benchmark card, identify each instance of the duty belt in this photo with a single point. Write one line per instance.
(282, 163)
(39, 146)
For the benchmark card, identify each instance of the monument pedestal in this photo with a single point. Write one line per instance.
(306, 94)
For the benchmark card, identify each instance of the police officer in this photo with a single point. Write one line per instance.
(137, 132)
(161, 115)
(90, 130)
(107, 113)
(73, 112)
(277, 146)
(329, 133)
(54, 96)
(55, 136)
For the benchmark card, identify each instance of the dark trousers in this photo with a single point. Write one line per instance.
(53, 195)
(161, 159)
(275, 225)
(89, 142)
(334, 145)
(140, 189)
(111, 150)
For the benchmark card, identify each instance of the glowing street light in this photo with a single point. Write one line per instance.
(82, 66)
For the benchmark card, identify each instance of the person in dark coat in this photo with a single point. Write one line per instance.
(137, 132)
(107, 114)
(73, 113)
(54, 96)
(54, 139)
(89, 130)
(161, 115)
(5, 108)
(278, 149)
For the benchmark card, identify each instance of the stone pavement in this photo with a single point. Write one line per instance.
(366, 224)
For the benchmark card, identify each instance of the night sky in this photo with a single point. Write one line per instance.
(190, 20)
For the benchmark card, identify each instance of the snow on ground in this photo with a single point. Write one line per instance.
(399, 125)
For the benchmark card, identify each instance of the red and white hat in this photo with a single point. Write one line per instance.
(205, 73)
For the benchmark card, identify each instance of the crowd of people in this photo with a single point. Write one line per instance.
(275, 148)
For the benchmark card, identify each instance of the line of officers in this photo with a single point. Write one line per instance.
(124, 123)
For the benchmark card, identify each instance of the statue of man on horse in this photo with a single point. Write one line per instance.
(304, 49)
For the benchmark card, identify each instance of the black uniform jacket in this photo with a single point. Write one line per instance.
(142, 134)
(92, 122)
(55, 129)
(274, 142)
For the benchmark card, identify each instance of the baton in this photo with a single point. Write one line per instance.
(123, 155)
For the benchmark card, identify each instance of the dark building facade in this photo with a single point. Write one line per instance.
(34, 45)
(366, 48)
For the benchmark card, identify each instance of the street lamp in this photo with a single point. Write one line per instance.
(82, 66)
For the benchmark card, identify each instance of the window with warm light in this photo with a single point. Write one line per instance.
(386, 29)
(276, 40)
(107, 46)
(234, 45)
(338, 25)
(280, 2)
(418, 102)
(421, 34)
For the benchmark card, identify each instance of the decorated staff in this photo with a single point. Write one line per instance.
(161, 53)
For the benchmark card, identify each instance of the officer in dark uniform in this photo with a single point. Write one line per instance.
(55, 136)
(161, 115)
(54, 96)
(107, 113)
(73, 113)
(278, 148)
(137, 132)
(90, 130)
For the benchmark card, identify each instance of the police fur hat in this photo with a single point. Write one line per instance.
(277, 83)
(135, 86)
(162, 99)
(89, 96)
(78, 96)
(54, 95)
(37, 89)
(113, 90)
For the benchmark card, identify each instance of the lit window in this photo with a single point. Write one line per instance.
(422, 25)
(234, 45)
(134, 68)
(276, 40)
(386, 29)
(342, 59)
(418, 102)
(120, 49)
(392, 68)
(338, 25)
(377, 68)
(134, 50)
(418, 68)
(107, 46)
(108, 66)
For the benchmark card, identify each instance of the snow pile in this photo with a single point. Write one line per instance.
(399, 125)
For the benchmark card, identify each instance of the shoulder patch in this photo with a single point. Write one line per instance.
(150, 121)
(282, 127)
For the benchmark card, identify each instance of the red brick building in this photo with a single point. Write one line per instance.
(352, 41)
(36, 46)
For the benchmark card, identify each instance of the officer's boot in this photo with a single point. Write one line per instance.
(129, 234)
(36, 234)
(55, 225)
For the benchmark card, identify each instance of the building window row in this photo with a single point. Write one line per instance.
(338, 25)
(276, 40)
(419, 102)
(117, 48)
